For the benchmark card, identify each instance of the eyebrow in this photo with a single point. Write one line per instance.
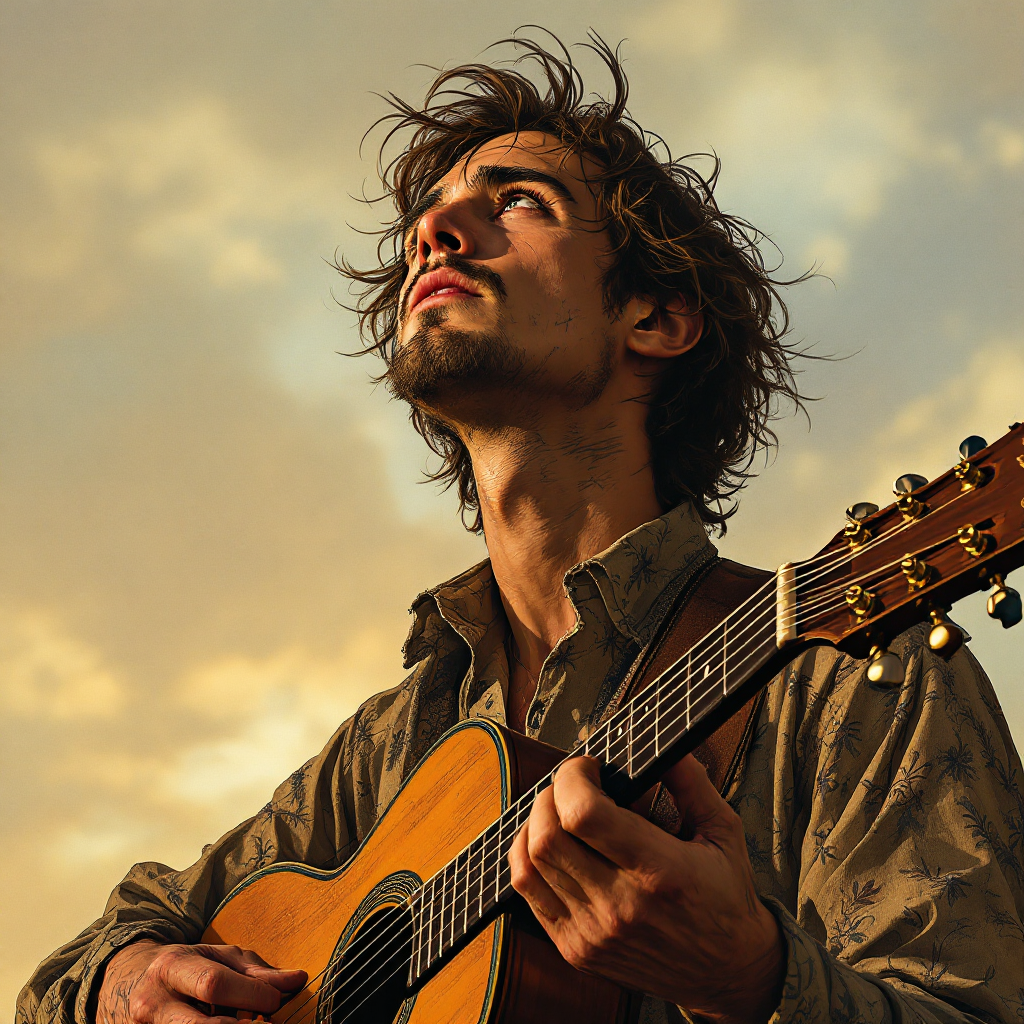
(488, 175)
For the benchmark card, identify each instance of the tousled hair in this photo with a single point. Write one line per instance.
(711, 409)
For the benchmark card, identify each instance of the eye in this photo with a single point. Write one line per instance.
(521, 199)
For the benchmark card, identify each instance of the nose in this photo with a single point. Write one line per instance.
(439, 231)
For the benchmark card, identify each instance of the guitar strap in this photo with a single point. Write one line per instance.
(716, 590)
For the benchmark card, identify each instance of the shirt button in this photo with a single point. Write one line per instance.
(534, 717)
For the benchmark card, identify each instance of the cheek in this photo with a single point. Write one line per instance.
(562, 276)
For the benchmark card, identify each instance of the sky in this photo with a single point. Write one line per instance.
(212, 524)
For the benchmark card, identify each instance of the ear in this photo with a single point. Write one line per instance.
(664, 330)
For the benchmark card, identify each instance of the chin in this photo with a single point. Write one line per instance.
(440, 360)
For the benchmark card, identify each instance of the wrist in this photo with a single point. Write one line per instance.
(120, 973)
(755, 989)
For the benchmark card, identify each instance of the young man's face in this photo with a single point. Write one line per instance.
(503, 301)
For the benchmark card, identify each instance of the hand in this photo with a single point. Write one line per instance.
(678, 919)
(150, 983)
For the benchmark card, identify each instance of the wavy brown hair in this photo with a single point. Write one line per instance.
(711, 409)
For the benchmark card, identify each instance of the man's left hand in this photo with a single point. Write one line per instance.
(677, 919)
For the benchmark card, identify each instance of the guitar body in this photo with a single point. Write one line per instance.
(296, 916)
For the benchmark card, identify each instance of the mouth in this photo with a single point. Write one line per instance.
(440, 286)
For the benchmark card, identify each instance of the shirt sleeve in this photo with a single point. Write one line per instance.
(312, 818)
(903, 814)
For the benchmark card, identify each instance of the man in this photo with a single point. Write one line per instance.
(593, 349)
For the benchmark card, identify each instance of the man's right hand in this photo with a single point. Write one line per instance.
(150, 983)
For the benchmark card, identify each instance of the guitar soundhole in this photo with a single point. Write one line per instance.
(367, 981)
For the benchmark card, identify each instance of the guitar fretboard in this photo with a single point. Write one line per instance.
(645, 733)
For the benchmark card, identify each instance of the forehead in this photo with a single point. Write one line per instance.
(535, 150)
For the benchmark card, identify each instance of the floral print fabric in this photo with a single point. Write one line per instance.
(885, 826)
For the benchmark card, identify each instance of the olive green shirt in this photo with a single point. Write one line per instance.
(885, 826)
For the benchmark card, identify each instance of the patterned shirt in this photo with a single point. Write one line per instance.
(885, 826)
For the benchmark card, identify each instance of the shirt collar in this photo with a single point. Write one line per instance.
(638, 577)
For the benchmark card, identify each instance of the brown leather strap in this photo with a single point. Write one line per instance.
(722, 588)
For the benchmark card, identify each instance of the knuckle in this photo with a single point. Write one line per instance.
(519, 874)
(142, 1003)
(617, 928)
(206, 984)
(577, 817)
(543, 843)
(577, 954)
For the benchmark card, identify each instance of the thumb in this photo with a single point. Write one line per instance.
(701, 807)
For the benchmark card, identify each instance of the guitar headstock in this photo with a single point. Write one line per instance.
(907, 563)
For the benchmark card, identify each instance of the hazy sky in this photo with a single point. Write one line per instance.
(210, 525)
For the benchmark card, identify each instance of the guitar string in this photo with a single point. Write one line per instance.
(447, 890)
(360, 964)
(522, 806)
(485, 866)
(521, 811)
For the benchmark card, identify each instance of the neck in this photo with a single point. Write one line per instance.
(551, 496)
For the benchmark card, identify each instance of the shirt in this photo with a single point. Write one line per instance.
(885, 826)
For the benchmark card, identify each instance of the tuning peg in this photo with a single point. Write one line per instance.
(970, 446)
(908, 482)
(1004, 603)
(885, 669)
(863, 509)
(945, 638)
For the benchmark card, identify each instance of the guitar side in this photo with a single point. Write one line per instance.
(296, 916)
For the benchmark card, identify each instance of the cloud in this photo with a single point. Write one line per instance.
(982, 398)
(1003, 144)
(688, 28)
(110, 206)
(44, 673)
(829, 255)
(272, 712)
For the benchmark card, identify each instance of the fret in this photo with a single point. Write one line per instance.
(503, 871)
(629, 740)
(438, 934)
(657, 722)
(689, 686)
(458, 902)
(725, 654)
(483, 875)
(441, 910)
(430, 917)
(703, 702)
(418, 918)
(476, 857)
(497, 865)
(466, 889)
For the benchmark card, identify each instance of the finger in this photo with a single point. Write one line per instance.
(530, 883)
(587, 813)
(568, 865)
(210, 981)
(177, 1012)
(251, 964)
(703, 811)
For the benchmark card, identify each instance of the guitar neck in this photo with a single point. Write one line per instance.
(636, 745)
(886, 570)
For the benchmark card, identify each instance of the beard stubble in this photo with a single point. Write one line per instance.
(440, 361)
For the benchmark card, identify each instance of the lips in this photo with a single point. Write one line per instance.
(440, 285)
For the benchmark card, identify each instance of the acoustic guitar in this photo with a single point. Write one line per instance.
(422, 925)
